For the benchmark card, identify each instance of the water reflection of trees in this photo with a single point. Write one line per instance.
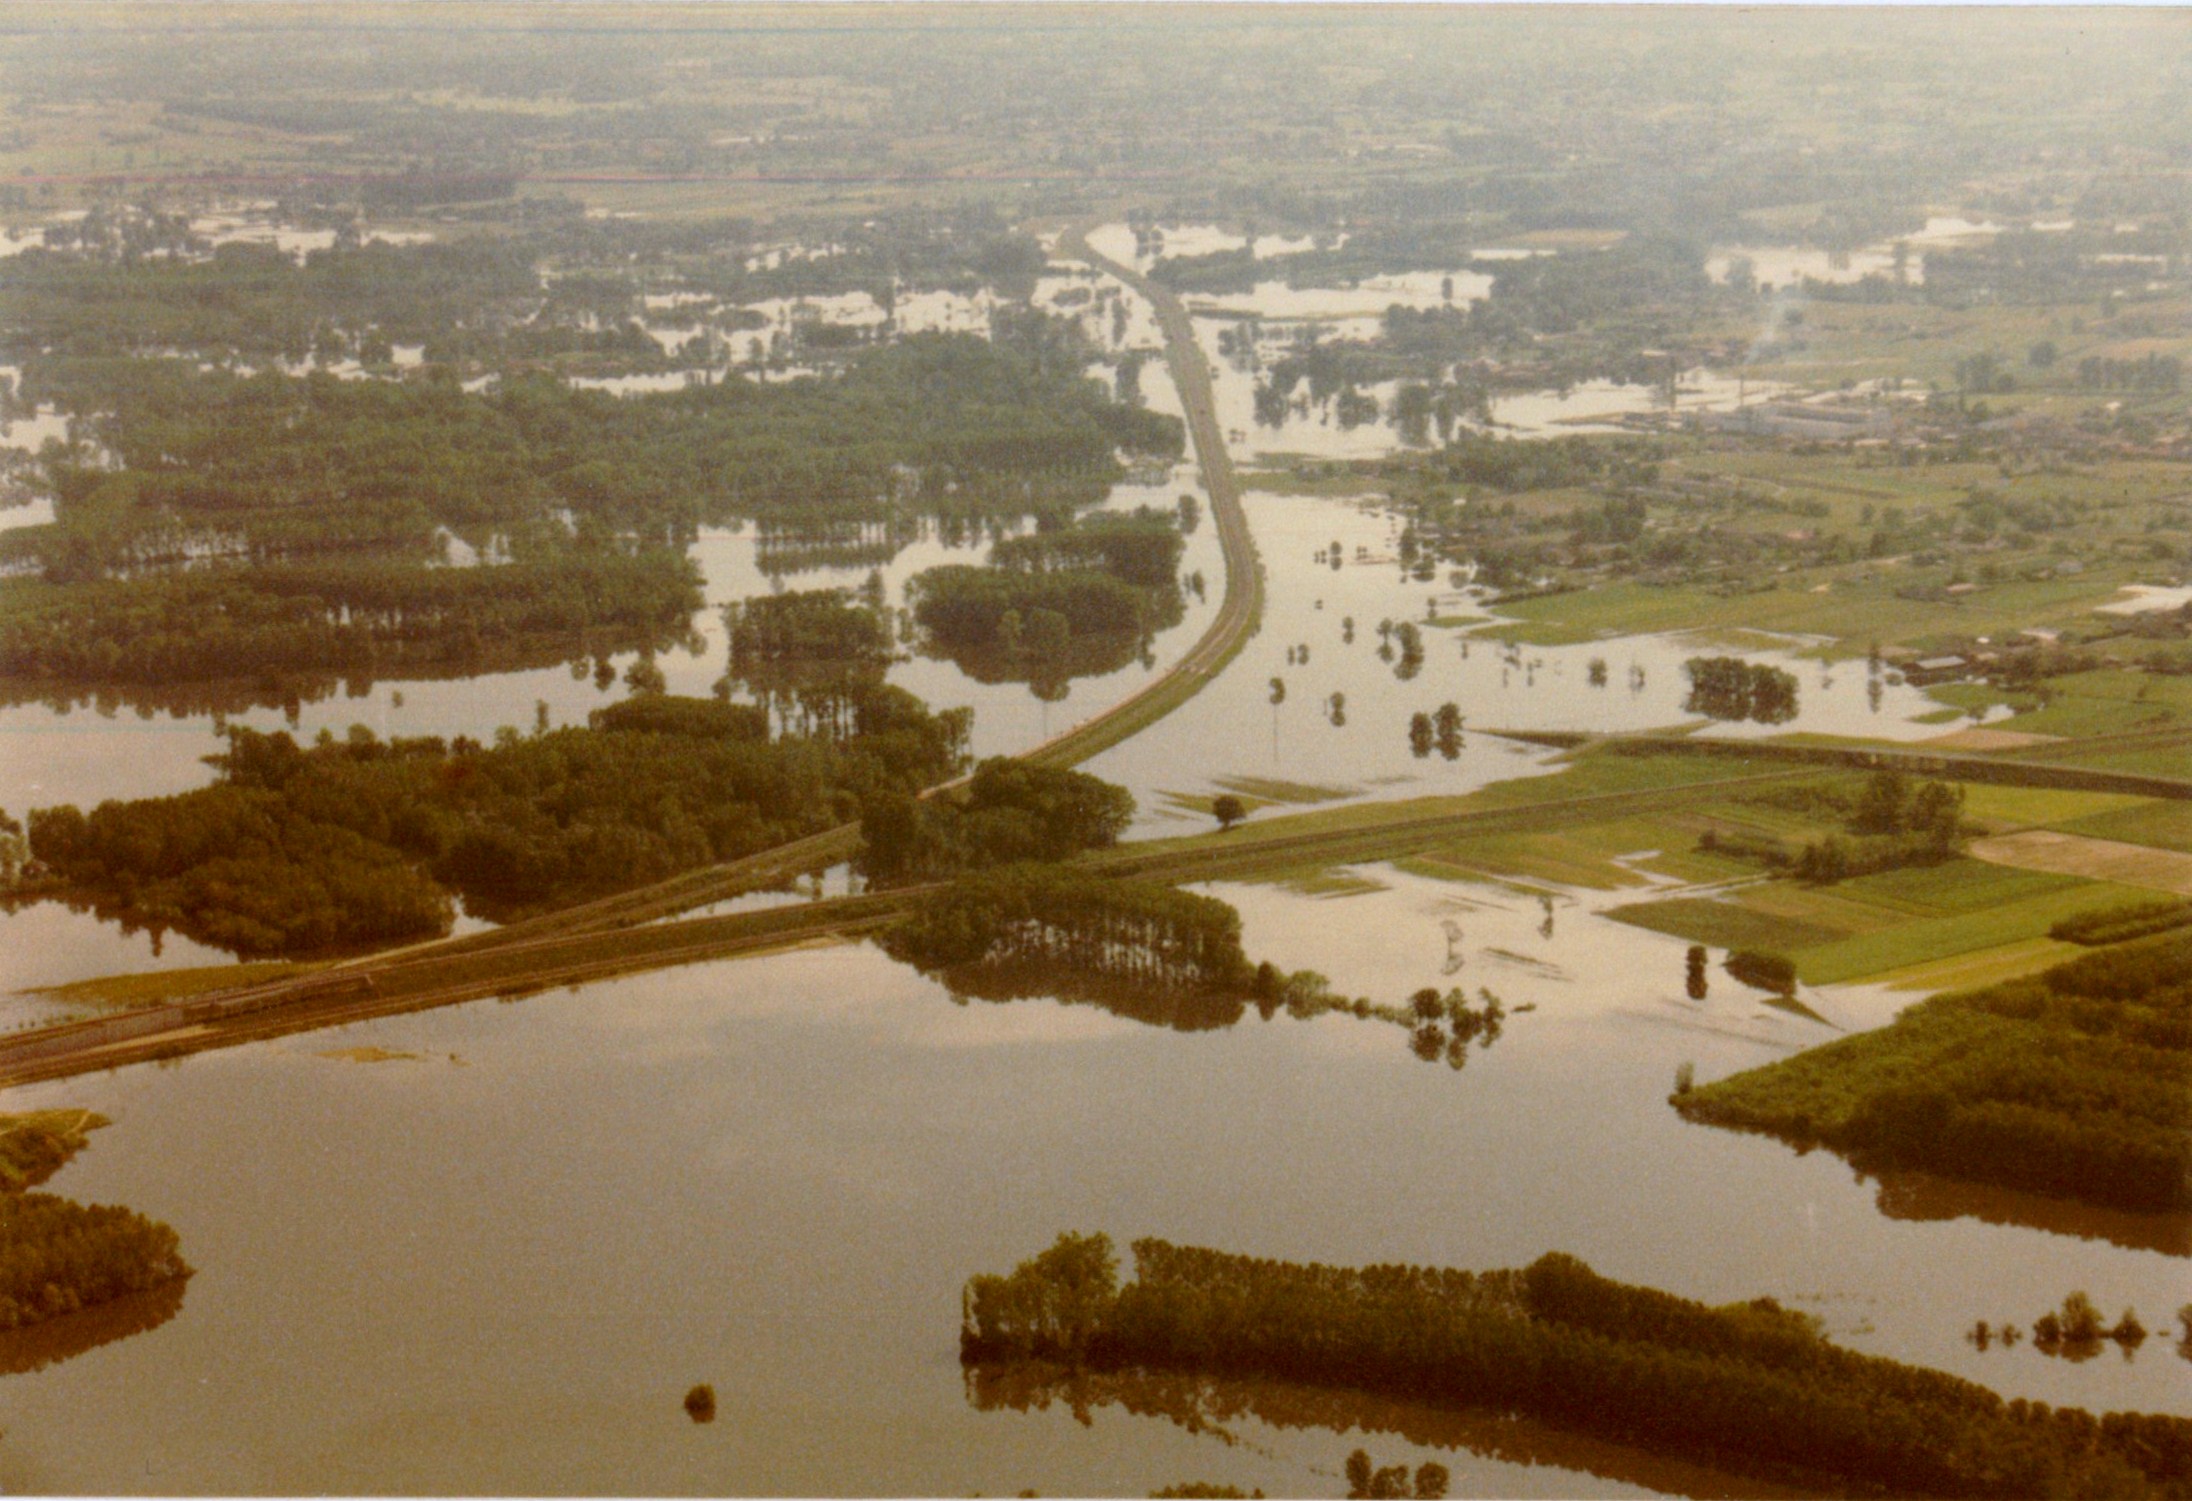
(55, 1340)
(1216, 1408)
(1179, 1008)
(1921, 1196)
(1080, 657)
(1435, 1026)
(290, 690)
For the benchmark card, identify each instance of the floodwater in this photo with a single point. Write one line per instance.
(90, 754)
(1785, 266)
(1232, 730)
(36, 511)
(2145, 599)
(497, 1263)
(1118, 242)
(1317, 430)
(911, 312)
(86, 754)
(1279, 316)
(1368, 298)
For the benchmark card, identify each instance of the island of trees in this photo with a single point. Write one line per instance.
(1731, 688)
(1750, 1387)
(2075, 1082)
(360, 841)
(1149, 934)
(59, 1257)
(1083, 596)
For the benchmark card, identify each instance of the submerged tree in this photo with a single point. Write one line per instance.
(1730, 688)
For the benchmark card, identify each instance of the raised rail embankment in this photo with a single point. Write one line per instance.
(1240, 611)
(441, 975)
(628, 931)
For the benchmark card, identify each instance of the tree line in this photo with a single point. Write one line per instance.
(1749, 1387)
(363, 841)
(2075, 1082)
(1152, 935)
(290, 627)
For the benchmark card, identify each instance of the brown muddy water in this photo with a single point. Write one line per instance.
(497, 1264)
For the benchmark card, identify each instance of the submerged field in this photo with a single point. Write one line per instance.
(1698, 670)
(786, 1168)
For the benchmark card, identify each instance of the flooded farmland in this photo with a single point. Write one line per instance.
(1593, 868)
(774, 1175)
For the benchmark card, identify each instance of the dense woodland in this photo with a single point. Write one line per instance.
(1075, 920)
(2075, 1082)
(300, 849)
(284, 630)
(1048, 598)
(1750, 1387)
(313, 515)
(58, 1257)
(1010, 811)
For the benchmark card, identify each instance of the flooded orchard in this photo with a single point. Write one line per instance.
(489, 1248)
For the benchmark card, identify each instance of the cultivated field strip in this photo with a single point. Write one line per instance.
(418, 979)
(1956, 766)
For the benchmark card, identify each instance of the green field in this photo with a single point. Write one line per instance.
(1891, 921)
(1727, 925)
(2004, 808)
(2162, 825)
(1924, 939)
(1853, 613)
(2107, 702)
(1980, 966)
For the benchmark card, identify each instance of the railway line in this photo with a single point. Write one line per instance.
(426, 977)
(642, 929)
(638, 929)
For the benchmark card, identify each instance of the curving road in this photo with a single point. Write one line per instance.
(607, 936)
(1241, 610)
(423, 978)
